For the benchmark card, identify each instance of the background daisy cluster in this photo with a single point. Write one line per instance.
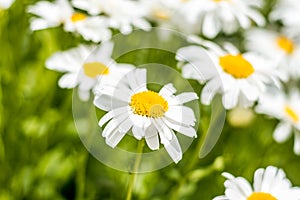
(252, 45)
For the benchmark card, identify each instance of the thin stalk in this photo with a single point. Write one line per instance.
(133, 174)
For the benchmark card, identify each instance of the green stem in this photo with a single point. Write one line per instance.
(190, 166)
(80, 178)
(134, 172)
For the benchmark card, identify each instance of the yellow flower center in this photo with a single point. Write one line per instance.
(161, 14)
(149, 104)
(236, 65)
(78, 17)
(93, 69)
(291, 113)
(286, 44)
(218, 1)
(261, 196)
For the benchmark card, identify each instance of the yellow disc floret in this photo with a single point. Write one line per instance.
(291, 114)
(78, 17)
(286, 44)
(93, 69)
(261, 196)
(149, 104)
(218, 1)
(161, 14)
(236, 65)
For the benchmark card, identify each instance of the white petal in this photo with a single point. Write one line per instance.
(125, 126)
(186, 97)
(209, 90)
(111, 114)
(282, 132)
(107, 103)
(243, 20)
(167, 90)
(230, 98)
(256, 16)
(237, 188)
(138, 132)
(186, 130)
(162, 128)
(114, 138)
(297, 143)
(172, 147)
(151, 136)
(68, 80)
(84, 95)
(109, 128)
(181, 114)
(139, 121)
(211, 26)
(258, 179)
(221, 198)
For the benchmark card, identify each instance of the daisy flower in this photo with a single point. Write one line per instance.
(285, 108)
(164, 12)
(150, 115)
(282, 49)
(122, 14)
(5, 4)
(215, 16)
(83, 65)
(240, 78)
(287, 11)
(61, 12)
(269, 184)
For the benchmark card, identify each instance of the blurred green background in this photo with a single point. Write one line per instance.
(42, 157)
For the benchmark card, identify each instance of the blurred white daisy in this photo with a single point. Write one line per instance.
(121, 14)
(164, 12)
(282, 49)
(151, 115)
(285, 108)
(5, 4)
(215, 16)
(287, 11)
(269, 184)
(61, 12)
(83, 66)
(240, 78)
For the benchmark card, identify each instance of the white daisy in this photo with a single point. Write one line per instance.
(240, 78)
(5, 4)
(83, 66)
(61, 13)
(151, 115)
(215, 16)
(282, 49)
(122, 14)
(287, 11)
(269, 184)
(164, 12)
(287, 110)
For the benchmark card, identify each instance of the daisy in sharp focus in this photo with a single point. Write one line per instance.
(280, 48)
(150, 115)
(215, 16)
(60, 12)
(83, 66)
(240, 78)
(269, 184)
(121, 14)
(285, 108)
